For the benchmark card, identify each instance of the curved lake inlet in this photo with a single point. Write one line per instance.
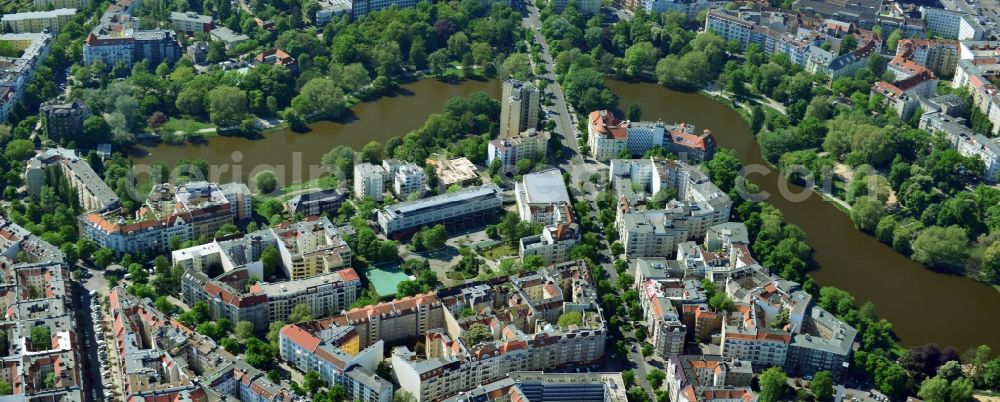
(922, 305)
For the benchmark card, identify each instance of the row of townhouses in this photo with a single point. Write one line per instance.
(783, 32)
(315, 265)
(516, 321)
(36, 293)
(191, 211)
(160, 359)
(16, 72)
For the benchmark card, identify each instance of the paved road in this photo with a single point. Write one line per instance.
(564, 122)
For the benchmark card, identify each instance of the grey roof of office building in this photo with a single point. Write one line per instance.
(545, 187)
(228, 35)
(93, 182)
(204, 19)
(658, 222)
(369, 379)
(277, 288)
(368, 168)
(438, 201)
(735, 232)
(153, 34)
(658, 268)
(336, 5)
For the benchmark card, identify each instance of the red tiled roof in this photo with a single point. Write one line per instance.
(300, 337)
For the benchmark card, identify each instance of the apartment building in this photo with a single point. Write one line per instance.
(161, 359)
(317, 203)
(519, 107)
(667, 333)
(369, 181)
(528, 144)
(690, 8)
(38, 21)
(117, 38)
(37, 294)
(191, 211)
(708, 378)
(464, 208)
(92, 192)
(775, 31)
(913, 84)
(656, 233)
(967, 142)
(939, 55)
(307, 248)
(952, 24)
(339, 357)
(64, 119)
(552, 245)
(16, 72)
(265, 302)
(777, 324)
(521, 341)
(609, 138)
(979, 64)
(190, 22)
(406, 177)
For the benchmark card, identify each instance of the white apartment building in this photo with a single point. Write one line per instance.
(190, 22)
(967, 142)
(406, 177)
(369, 181)
(518, 107)
(552, 245)
(643, 135)
(952, 24)
(656, 233)
(528, 144)
(691, 8)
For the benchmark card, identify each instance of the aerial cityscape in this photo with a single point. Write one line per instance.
(500, 201)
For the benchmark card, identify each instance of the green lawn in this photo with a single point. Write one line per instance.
(185, 125)
(502, 250)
